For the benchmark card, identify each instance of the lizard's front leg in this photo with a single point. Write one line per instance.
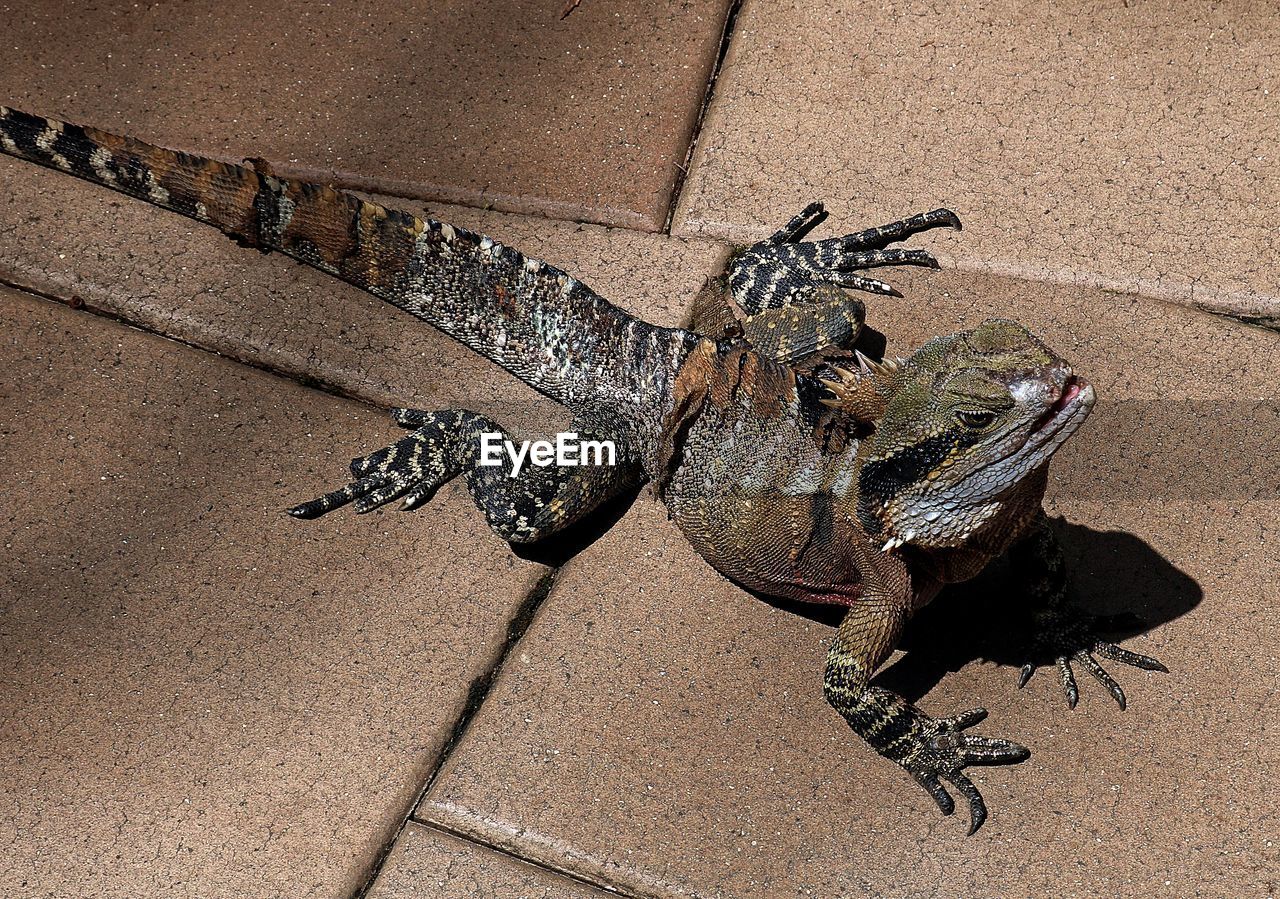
(786, 270)
(522, 505)
(930, 749)
(1059, 631)
(792, 291)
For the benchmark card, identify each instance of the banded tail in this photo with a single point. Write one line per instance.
(546, 328)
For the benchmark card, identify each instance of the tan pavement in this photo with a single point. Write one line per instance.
(497, 103)
(202, 697)
(1124, 145)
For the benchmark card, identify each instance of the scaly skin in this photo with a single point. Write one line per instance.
(870, 485)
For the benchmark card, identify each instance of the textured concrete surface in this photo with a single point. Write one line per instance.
(428, 863)
(64, 237)
(663, 731)
(201, 696)
(1124, 145)
(483, 102)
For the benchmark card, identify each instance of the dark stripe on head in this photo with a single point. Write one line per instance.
(883, 479)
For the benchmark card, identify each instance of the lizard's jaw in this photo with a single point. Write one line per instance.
(1061, 419)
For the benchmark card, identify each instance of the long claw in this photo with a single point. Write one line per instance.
(800, 225)
(977, 808)
(938, 792)
(391, 489)
(1068, 679)
(893, 232)
(1090, 664)
(322, 504)
(870, 285)
(945, 217)
(994, 751)
(1025, 674)
(965, 719)
(874, 258)
(1137, 660)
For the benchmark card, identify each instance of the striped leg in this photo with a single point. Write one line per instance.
(784, 271)
(792, 333)
(932, 750)
(534, 503)
(1059, 631)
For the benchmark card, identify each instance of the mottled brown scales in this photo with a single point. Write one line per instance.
(793, 465)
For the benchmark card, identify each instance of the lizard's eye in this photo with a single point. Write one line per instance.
(975, 420)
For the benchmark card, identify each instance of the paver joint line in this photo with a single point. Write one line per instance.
(477, 691)
(77, 304)
(474, 840)
(682, 171)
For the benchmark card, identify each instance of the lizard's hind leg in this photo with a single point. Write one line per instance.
(521, 508)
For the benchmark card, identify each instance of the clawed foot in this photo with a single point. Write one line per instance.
(413, 467)
(938, 750)
(784, 271)
(1068, 638)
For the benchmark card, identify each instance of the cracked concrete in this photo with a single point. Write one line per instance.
(201, 695)
(1116, 145)
(499, 103)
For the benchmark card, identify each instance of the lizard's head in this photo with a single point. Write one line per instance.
(967, 419)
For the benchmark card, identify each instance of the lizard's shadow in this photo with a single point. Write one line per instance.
(1114, 575)
(578, 536)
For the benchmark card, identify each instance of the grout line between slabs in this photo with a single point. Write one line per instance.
(78, 304)
(477, 692)
(479, 689)
(542, 866)
(682, 171)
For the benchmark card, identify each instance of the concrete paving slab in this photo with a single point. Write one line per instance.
(202, 696)
(1121, 145)
(498, 103)
(665, 732)
(66, 238)
(428, 863)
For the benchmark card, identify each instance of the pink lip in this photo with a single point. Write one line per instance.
(1069, 394)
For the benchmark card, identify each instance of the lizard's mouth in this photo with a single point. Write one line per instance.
(1063, 418)
(1077, 396)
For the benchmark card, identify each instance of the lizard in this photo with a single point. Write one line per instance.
(795, 465)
